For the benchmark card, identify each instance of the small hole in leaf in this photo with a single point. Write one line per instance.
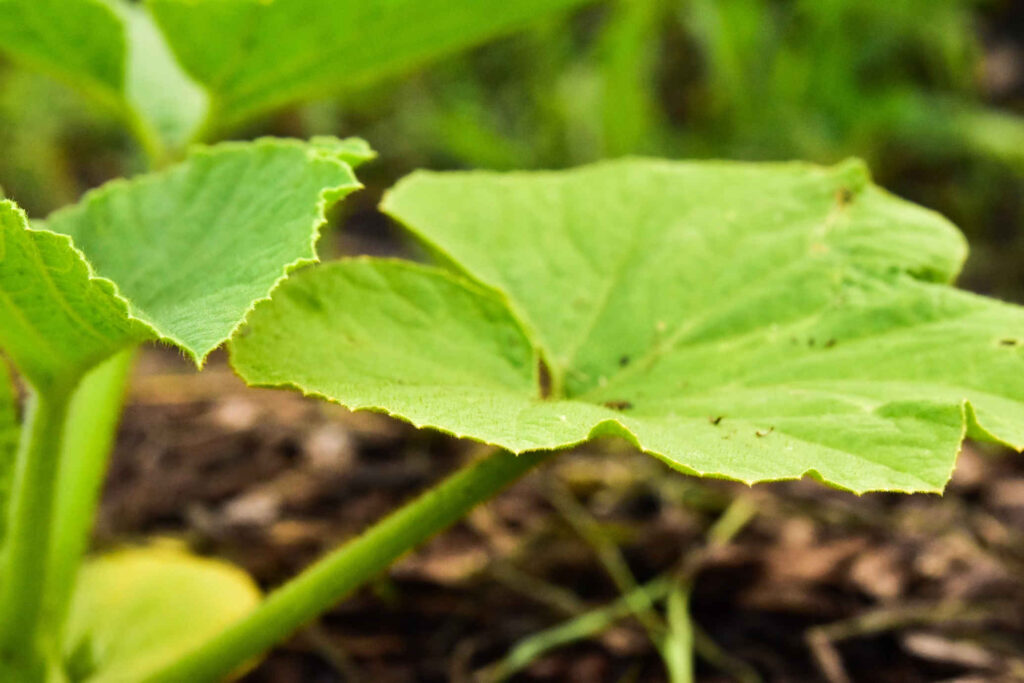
(1009, 342)
(764, 432)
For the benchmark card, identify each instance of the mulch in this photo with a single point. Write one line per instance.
(819, 585)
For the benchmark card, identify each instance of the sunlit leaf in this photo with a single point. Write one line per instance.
(56, 317)
(754, 322)
(253, 55)
(179, 255)
(136, 610)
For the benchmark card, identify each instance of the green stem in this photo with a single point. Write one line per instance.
(335, 576)
(90, 430)
(29, 523)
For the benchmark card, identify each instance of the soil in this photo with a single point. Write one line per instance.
(819, 585)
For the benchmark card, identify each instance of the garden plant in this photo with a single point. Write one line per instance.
(747, 321)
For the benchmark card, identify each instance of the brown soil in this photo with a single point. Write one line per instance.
(820, 585)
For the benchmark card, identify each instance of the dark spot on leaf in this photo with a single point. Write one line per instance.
(623, 361)
(810, 341)
(306, 300)
(543, 378)
(844, 196)
(715, 420)
(764, 432)
(1008, 342)
(830, 343)
(618, 405)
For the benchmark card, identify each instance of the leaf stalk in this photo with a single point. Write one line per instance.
(90, 429)
(330, 579)
(29, 529)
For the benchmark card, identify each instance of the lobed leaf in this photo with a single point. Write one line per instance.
(179, 255)
(134, 611)
(748, 321)
(253, 56)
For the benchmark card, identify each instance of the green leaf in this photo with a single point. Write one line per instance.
(79, 41)
(166, 99)
(113, 52)
(179, 255)
(134, 611)
(253, 55)
(755, 322)
(57, 318)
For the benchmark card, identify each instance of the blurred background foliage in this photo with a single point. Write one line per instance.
(929, 92)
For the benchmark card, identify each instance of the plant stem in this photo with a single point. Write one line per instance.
(30, 517)
(323, 584)
(91, 425)
(581, 627)
(677, 647)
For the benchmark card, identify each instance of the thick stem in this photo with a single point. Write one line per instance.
(323, 584)
(91, 426)
(30, 517)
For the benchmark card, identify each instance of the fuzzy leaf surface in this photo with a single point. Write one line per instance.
(749, 321)
(134, 611)
(179, 255)
(57, 318)
(253, 56)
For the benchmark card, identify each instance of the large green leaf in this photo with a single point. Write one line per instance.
(253, 55)
(179, 255)
(112, 51)
(134, 611)
(747, 321)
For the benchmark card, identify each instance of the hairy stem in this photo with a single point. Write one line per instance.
(90, 429)
(335, 576)
(30, 517)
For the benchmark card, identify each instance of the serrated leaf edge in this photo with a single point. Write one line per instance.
(107, 285)
(327, 197)
(611, 424)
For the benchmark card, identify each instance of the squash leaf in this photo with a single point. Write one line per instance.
(79, 41)
(136, 610)
(111, 51)
(253, 56)
(57, 318)
(749, 321)
(179, 255)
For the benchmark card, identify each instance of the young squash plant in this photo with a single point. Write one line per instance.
(178, 256)
(744, 321)
(753, 322)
